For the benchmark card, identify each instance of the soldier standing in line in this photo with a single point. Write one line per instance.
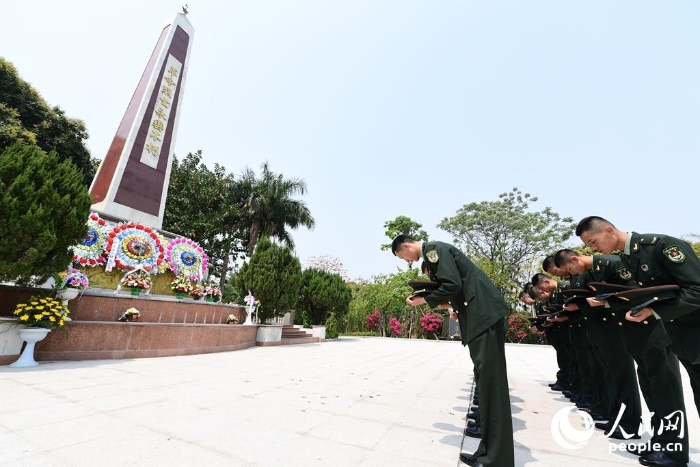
(608, 342)
(481, 310)
(648, 260)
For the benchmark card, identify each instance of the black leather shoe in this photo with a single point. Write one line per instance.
(474, 409)
(472, 423)
(556, 387)
(467, 458)
(604, 426)
(473, 416)
(567, 393)
(583, 405)
(617, 434)
(597, 417)
(473, 432)
(660, 459)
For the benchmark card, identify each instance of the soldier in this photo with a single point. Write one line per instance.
(651, 259)
(481, 310)
(608, 345)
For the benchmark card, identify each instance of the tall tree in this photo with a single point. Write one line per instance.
(270, 208)
(505, 237)
(43, 211)
(201, 206)
(273, 275)
(25, 116)
(403, 225)
(329, 264)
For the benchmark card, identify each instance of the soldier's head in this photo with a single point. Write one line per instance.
(571, 262)
(406, 248)
(600, 234)
(538, 295)
(526, 298)
(550, 267)
(544, 283)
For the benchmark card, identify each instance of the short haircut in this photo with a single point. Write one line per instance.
(527, 286)
(548, 262)
(533, 292)
(537, 278)
(592, 224)
(562, 257)
(400, 240)
(523, 294)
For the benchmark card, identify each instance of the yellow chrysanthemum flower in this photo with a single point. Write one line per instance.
(38, 317)
(40, 307)
(52, 318)
(24, 317)
(60, 323)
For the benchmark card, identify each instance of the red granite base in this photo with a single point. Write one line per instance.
(167, 327)
(95, 340)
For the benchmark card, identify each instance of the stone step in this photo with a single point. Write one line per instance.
(299, 340)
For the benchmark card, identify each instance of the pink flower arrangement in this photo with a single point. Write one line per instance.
(431, 323)
(395, 327)
(373, 320)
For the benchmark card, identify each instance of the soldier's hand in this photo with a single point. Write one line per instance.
(454, 315)
(445, 306)
(593, 302)
(570, 307)
(415, 301)
(639, 317)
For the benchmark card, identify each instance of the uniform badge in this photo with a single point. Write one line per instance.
(645, 267)
(624, 273)
(674, 254)
(432, 256)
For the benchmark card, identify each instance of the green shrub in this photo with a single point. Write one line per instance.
(44, 206)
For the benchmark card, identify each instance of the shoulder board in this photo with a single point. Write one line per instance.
(649, 239)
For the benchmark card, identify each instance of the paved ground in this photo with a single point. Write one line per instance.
(346, 402)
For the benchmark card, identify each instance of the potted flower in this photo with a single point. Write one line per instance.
(137, 280)
(132, 314)
(38, 317)
(231, 319)
(212, 293)
(181, 285)
(70, 284)
(252, 305)
(197, 292)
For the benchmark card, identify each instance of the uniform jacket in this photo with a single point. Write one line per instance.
(662, 260)
(471, 293)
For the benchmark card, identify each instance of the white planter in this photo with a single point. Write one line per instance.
(65, 295)
(10, 342)
(248, 316)
(31, 336)
(269, 333)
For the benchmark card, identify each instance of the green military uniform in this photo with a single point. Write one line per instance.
(662, 260)
(609, 348)
(481, 310)
(657, 366)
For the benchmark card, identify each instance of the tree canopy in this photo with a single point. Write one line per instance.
(25, 116)
(506, 238)
(273, 275)
(322, 293)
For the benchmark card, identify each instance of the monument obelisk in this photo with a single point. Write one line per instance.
(132, 181)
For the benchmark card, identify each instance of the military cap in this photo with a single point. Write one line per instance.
(576, 295)
(423, 288)
(638, 299)
(604, 290)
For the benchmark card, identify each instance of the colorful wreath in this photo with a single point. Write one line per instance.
(186, 257)
(135, 245)
(91, 251)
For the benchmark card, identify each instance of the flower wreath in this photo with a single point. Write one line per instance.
(134, 245)
(186, 257)
(91, 251)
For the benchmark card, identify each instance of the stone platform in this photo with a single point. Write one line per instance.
(167, 327)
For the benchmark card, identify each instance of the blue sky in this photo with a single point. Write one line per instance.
(402, 107)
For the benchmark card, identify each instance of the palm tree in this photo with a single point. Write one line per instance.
(269, 207)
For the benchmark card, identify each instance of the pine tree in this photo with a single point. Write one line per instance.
(44, 206)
